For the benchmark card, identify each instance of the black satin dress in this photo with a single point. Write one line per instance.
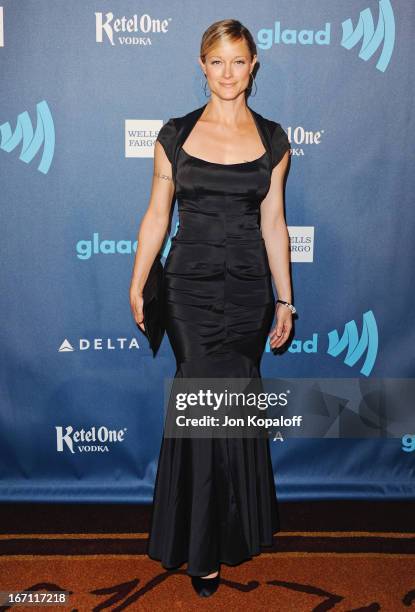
(215, 499)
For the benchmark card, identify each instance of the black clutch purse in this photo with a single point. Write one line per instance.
(153, 309)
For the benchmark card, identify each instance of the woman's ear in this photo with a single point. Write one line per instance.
(202, 65)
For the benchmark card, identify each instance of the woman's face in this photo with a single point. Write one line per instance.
(227, 68)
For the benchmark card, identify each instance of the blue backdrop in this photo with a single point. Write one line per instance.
(85, 88)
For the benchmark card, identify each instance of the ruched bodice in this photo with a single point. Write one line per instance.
(218, 258)
(218, 202)
(246, 182)
(214, 499)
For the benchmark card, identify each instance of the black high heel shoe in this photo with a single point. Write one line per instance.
(205, 587)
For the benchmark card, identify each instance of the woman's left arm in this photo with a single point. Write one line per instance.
(275, 233)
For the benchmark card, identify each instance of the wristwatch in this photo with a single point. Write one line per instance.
(290, 306)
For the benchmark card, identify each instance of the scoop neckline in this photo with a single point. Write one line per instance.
(206, 161)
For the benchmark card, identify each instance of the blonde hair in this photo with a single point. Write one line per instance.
(226, 30)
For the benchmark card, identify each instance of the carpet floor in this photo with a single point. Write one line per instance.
(304, 571)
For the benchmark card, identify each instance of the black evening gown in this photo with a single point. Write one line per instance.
(214, 498)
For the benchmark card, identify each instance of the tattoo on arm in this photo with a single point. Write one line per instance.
(163, 176)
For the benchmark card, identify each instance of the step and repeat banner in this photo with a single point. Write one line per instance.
(85, 88)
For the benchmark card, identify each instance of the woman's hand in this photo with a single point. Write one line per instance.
(136, 303)
(279, 334)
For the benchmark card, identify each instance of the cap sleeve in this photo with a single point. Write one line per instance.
(167, 137)
(280, 144)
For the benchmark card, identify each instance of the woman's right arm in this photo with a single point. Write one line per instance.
(152, 229)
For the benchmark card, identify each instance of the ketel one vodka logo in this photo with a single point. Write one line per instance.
(300, 138)
(134, 30)
(93, 440)
(31, 142)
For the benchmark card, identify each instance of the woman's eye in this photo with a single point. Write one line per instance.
(237, 61)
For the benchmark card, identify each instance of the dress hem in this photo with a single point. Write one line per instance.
(205, 573)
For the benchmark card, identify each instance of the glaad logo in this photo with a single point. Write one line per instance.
(372, 40)
(350, 339)
(31, 143)
(267, 36)
(368, 342)
(408, 443)
(86, 248)
(385, 33)
(69, 438)
(1, 27)
(145, 25)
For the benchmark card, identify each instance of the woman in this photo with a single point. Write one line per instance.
(214, 499)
